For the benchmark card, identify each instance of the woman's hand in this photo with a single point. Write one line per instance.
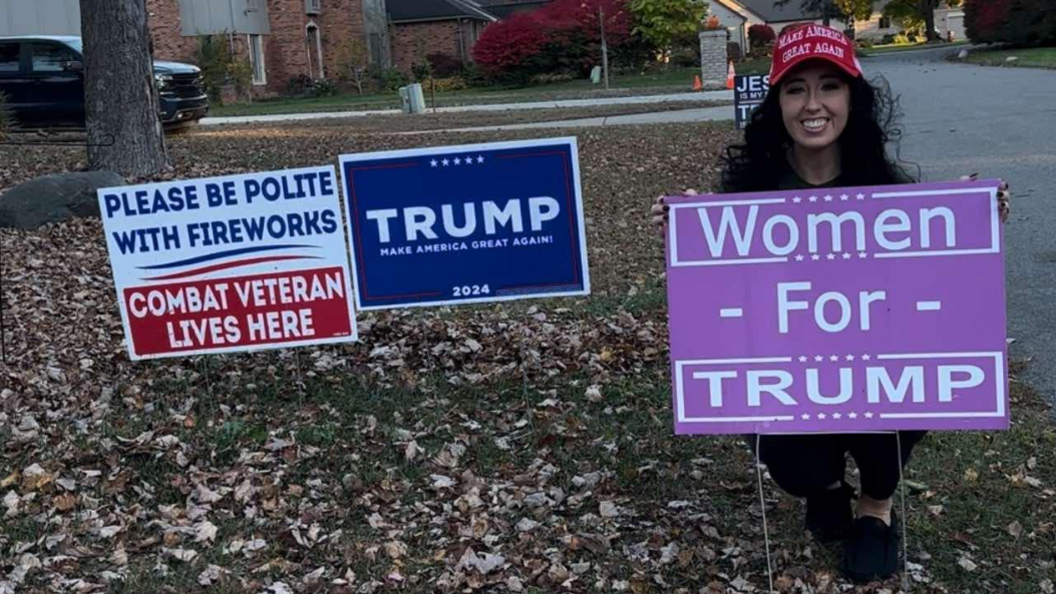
(1004, 197)
(660, 211)
(1004, 202)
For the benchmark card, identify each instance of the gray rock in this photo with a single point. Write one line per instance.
(54, 198)
(962, 55)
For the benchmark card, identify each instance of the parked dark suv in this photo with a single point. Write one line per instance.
(43, 79)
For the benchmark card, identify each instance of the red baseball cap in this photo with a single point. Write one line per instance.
(800, 43)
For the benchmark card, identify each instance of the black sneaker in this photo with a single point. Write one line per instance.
(829, 514)
(871, 552)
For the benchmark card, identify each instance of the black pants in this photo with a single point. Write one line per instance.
(804, 465)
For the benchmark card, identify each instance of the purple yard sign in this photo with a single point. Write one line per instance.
(838, 310)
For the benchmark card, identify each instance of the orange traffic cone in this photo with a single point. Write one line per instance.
(730, 74)
(697, 85)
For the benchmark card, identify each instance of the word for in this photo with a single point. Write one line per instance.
(865, 301)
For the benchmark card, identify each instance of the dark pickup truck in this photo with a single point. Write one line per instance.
(43, 78)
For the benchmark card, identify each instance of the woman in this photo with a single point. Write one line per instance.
(823, 125)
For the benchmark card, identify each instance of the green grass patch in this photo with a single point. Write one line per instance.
(892, 48)
(342, 102)
(21, 530)
(754, 66)
(661, 81)
(671, 77)
(1036, 57)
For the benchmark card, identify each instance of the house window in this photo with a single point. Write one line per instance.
(885, 23)
(315, 51)
(256, 59)
(375, 49)
(313, 6)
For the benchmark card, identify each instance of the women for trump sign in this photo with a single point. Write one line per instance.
(838, 310)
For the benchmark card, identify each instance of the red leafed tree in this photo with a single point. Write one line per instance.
(510, 43)
(1019, 22)
(985, 20)
(564, 35)
(580, 17)
(761, 34)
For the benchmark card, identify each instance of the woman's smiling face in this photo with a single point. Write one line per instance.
(815, 103)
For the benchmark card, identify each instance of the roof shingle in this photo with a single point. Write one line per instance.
(435, 10)
(773, 12)
(504, 8)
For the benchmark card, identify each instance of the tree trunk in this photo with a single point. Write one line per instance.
(121, 100)
(927, 10)
(604, 46)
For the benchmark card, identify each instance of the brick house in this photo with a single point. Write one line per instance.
(322, 38)
(738, 15)
(283, 39)
(163, 17)
(287, 39)
(504, 8)
(949, 21)
(419, 28)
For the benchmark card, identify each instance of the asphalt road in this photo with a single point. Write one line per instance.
(999, 122)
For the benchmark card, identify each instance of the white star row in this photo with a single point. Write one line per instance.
(837, 416)
(457, 161)
(834, 358)
(833, 256)
(828, 198)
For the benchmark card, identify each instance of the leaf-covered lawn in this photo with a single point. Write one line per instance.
(520, 447)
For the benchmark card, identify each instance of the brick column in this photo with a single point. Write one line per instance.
(713, 57)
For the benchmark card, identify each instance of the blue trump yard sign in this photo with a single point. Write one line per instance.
(466, 224)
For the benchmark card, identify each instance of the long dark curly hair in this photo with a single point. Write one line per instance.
(759, 163)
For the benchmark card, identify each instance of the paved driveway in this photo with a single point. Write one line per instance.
(1000, 122)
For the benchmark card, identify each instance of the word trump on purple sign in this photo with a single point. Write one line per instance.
(838, 310)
